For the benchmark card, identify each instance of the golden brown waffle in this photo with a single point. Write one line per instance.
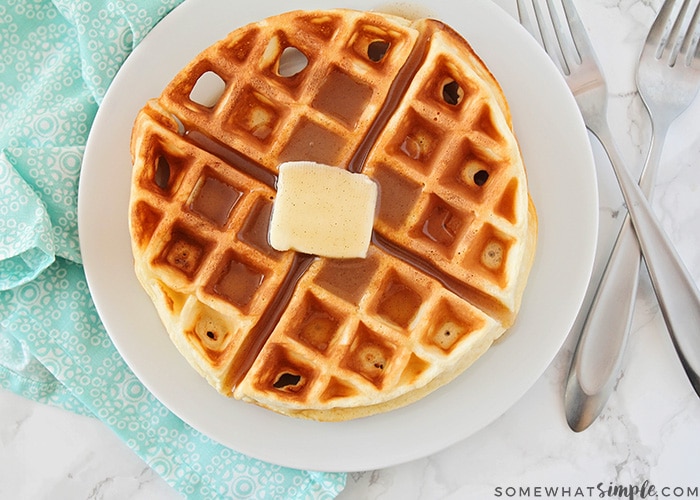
(407, 103)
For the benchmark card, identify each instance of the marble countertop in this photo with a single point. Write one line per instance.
(647, 436)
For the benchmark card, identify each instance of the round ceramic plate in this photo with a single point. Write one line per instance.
(563, 186)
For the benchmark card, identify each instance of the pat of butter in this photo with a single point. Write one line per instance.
(322, 210)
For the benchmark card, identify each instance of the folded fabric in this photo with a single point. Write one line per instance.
(58, 61)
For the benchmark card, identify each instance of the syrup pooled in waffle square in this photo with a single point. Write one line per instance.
(407, 104)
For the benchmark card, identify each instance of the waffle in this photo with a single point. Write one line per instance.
(407, 103)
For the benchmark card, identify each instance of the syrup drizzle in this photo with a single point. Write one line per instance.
(239, 161)
(262, 330)
(394, 95)
(301, 262)
(470, 294)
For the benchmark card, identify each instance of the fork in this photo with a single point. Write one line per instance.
(667, 83)
(597, 359)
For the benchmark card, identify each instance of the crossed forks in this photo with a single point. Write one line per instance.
(668, 78)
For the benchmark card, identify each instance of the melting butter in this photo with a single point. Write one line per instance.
(322, 210)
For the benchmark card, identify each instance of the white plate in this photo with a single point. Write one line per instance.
(563, 186)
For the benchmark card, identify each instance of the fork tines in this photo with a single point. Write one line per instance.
(676, 31)
(557, 27)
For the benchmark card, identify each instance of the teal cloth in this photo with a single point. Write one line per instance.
(57, 60)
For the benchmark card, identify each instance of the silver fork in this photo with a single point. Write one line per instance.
(668, 82)
(602, 340)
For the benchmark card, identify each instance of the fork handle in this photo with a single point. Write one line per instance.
(677, 294)
(597, 359)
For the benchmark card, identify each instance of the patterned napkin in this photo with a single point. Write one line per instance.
(58, 59)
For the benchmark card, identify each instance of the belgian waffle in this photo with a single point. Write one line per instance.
(409, 104)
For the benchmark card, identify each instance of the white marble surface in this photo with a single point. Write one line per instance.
(649, 432)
